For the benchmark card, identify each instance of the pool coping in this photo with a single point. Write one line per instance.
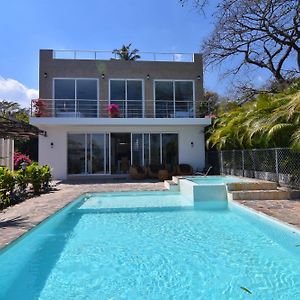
(37, 209)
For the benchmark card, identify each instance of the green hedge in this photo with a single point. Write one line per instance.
(15, 185)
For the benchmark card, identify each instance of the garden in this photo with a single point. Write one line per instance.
(27, 179)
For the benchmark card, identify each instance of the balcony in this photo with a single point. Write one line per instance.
(87, 108)
(109, 55)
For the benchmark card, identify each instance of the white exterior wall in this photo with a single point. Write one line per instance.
(56, 156)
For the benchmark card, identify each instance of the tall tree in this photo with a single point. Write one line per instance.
(263, 33)
(125, 53)
(14, 110)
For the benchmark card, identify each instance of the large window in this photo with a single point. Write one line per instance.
(128, 94)
(88, 153)
(76, 97)
(155, 148)
(174, 99)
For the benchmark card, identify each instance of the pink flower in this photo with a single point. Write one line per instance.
(19, 158)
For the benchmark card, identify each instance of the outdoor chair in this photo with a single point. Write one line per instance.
(137, 172)
(184, 169)
(153, 170)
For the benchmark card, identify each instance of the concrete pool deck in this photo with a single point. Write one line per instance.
(18, 219)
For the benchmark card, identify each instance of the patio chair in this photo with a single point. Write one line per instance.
(137, 172)
(184, 169)
(153, 170)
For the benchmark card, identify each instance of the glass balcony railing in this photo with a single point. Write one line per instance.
(87, 108)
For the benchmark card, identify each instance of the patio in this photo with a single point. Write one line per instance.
(18, 219)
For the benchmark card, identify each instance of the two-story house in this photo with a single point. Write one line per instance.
(157, 119)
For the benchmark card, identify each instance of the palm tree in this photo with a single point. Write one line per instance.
(271, 120)
(125, 53)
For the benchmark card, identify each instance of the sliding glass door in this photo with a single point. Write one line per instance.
(154, 148)
(88, 153)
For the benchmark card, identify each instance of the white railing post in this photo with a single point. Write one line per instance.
(276, 165)
(243, 162)
(221, 162)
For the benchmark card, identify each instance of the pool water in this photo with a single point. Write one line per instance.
(211, 180)
(86, 252)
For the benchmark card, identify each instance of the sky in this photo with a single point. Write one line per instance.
(29, 25)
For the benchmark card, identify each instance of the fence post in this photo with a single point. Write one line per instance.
(276, 165)
(221, 162)
(243, 163)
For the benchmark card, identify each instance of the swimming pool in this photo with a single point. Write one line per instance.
(211, 180)
(92, 251)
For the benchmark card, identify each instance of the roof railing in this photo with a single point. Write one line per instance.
(109, 55)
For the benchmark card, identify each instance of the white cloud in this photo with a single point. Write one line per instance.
(13, 90)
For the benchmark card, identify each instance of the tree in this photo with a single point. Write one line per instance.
(125, 53)
(271, 120)
(14, 110)
(261, 33)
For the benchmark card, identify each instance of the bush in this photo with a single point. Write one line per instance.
(39, 177)
(14, 184)
(22, 182)
(19, 158)
(7, 185)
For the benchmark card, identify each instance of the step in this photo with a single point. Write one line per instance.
(256, 185)
(171, 185)
(259, 195)
(176, 179)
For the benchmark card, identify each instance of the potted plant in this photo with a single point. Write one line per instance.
(113, 110)
(40, 108)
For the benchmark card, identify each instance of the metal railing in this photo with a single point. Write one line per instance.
(87, 108)
(281, 165)
(106, 55)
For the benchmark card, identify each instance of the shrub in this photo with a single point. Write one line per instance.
(22, 181)
(19, 158)
(39, 177)
(7, 185)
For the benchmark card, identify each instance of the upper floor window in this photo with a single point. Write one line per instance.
(174, 99)
(128, 94)
(76, 97)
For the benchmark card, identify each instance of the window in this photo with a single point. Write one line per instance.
(88, 153)
(128, 94)
(174, 99)
(76, 97)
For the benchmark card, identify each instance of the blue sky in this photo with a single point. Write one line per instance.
(156, 25)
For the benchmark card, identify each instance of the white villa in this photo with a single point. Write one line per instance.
(158, 121)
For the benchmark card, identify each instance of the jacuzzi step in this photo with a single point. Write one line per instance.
(256, 185)
(259, 195)
(171, 185)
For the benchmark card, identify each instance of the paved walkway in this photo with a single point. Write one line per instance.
(18, 219)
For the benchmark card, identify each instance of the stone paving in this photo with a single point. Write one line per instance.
(18, 219)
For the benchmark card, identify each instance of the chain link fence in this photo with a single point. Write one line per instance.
(281, 165)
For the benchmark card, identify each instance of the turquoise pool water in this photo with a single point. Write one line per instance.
(91, 251)
(216, 179)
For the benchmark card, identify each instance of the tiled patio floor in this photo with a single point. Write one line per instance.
(18, 219)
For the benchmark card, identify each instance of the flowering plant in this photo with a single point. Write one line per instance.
(113, 110)
(20, 158)
(39, 107)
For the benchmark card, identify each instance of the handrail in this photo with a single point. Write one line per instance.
(94, 108)
(145, 55)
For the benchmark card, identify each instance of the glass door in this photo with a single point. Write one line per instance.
(88, 153)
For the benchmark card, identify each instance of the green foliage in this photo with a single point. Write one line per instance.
(22, 182)
(39, 177)
(125, 53)
(271, 120)
(14, 184)
(7, 184)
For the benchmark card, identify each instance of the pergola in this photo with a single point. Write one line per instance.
(12, 129)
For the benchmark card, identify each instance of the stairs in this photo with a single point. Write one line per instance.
(252, 190)
(263, 190)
